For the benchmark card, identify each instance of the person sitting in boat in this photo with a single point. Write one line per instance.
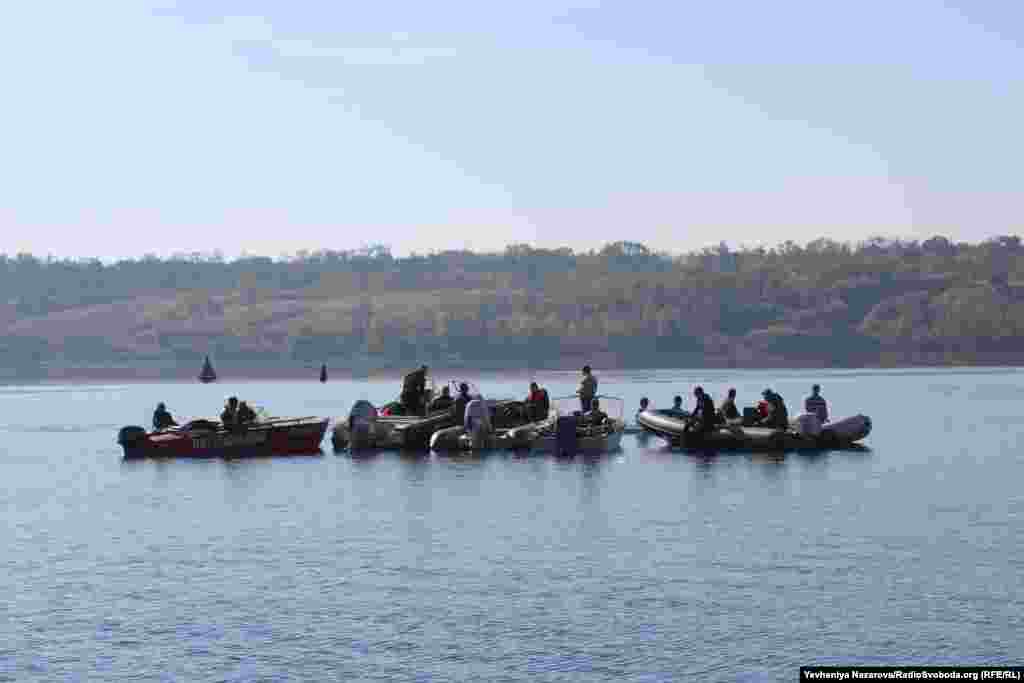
(246, 415)
(461, 401)
(537, 403)
(229, 417)
(644, 403)
(595, 417)
(442, 402)
(414, 389)
(162, 419)
(816, 404)
(778, 416)
(728, 409)
(677, 406)
(704, 418)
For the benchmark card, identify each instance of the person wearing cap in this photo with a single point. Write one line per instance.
(588, 389)
(816, 404)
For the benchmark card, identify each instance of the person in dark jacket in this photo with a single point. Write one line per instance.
(461, 401)
(704, 413)
(442, 402)
(588, 389)
(595, 416)
(728, 408)
(816, 404)
(414, 389)
(162, 419)
(677, 406)
(229, 417)
(246, 415)
(778, 416)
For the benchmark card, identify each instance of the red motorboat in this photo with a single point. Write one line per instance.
(207, 438)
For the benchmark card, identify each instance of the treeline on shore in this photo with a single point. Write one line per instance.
(825, 303)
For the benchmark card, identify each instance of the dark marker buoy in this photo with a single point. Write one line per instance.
(207, 375)
(323, 373)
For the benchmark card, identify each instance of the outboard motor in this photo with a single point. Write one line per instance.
(808, 424)
(130, 435)
(362, 423)
(565, 435)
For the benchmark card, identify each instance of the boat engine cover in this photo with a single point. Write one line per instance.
(130, 434)
(565, 435)
(808, 424)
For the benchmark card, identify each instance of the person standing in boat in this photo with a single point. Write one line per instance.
(816, 404)
(588, 389)
(414, 389)
(162, 419)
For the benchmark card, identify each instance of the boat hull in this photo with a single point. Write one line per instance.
(585, 443)
(841, 434)
(508, 439)
(391, 432)
(400, 432)
(279, 437)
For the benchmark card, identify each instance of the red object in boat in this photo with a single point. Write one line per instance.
(203, 438)
(762, 408)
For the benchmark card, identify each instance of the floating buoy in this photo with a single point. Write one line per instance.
(207, 375)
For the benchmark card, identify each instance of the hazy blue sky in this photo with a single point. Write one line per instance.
(268, 127)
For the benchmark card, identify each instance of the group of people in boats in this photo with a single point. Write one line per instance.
(535, 407)
(771, 411)
(235, 414)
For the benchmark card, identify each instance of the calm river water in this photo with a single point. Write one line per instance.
(641, 565)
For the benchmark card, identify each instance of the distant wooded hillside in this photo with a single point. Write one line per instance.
(881, 302)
